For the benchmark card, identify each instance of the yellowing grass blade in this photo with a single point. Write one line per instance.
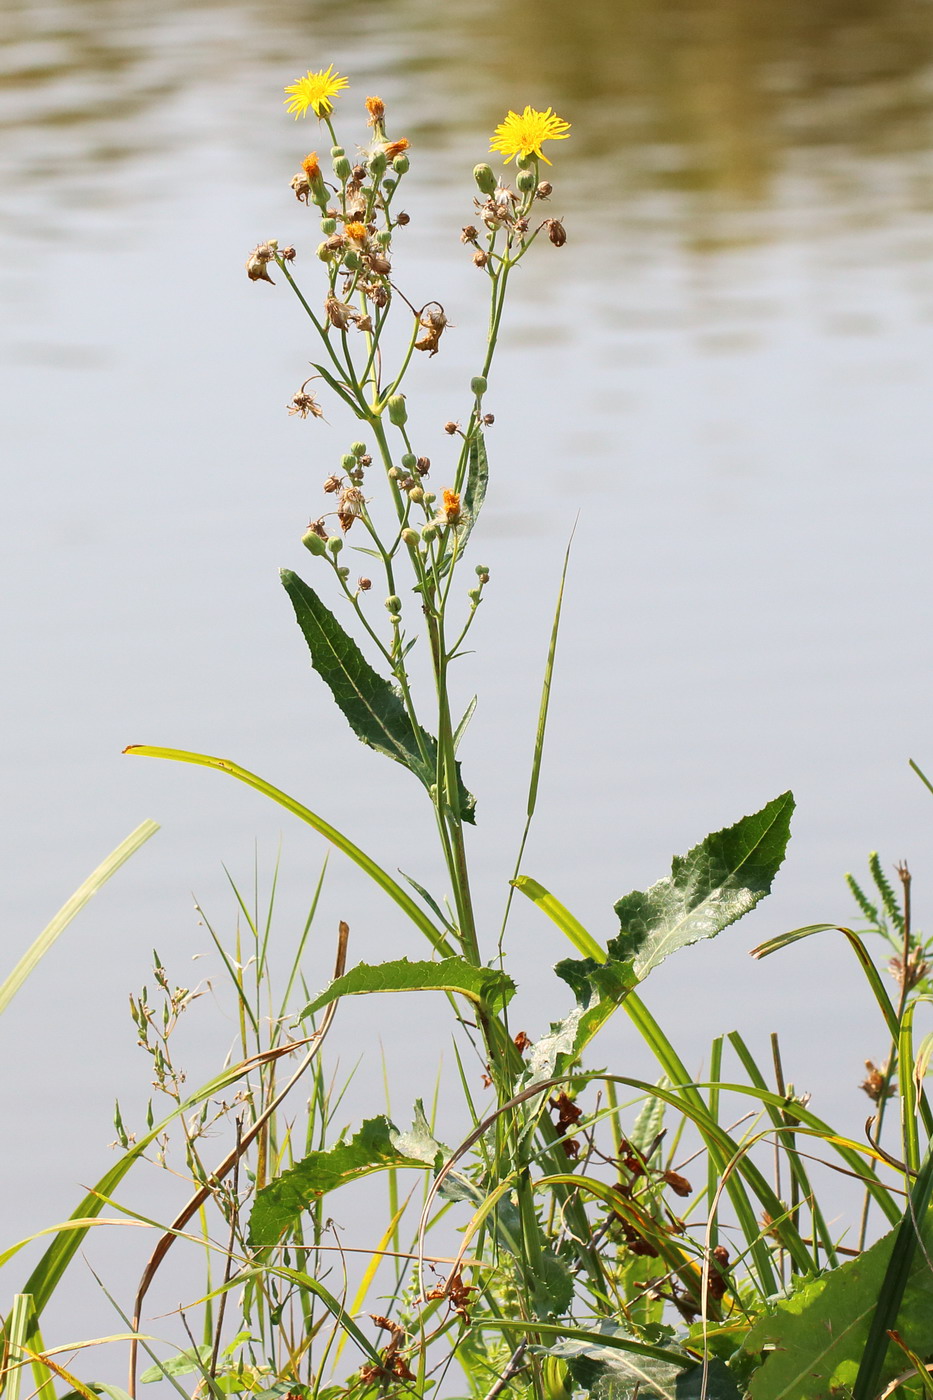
(71, 907)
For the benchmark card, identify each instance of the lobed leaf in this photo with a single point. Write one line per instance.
(480, 984)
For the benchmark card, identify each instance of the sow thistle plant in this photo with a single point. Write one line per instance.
(611, 1236)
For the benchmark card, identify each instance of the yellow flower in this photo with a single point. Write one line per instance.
(523, 135)
(314, 90)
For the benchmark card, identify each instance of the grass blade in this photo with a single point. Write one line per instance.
(71, 907)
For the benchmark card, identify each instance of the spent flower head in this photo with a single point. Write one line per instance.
(523, 134)
(314, 90)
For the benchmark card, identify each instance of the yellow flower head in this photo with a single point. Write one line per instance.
(314, 90)
(452, 509)
(310, 166)
(397, 148)
(524, 134)
(356, 232)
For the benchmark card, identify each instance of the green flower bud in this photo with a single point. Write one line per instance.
(474, 594)
(393, 603)
(358, 449)
(335, 545)
(324, 253)
(383, 238)
(401, 165)
(389, 184)
(352, 260)
(526, 162)
(478, 385)
(328, 226)
(314, 543)
(429, 531)
(485, 179)
(409, 461)
(395, 619)
(377, 164)
(526, 181)
(409, 537)
(342, 167)
(430, 497)
(348, 462)
(416, 494)
(398, 413)
(343, 571)
(480, 570)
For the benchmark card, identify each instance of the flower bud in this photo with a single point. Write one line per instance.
(474, 594)
(409, 461)
(328, 226)
(401, 165)
(348, 462)
(398, 413)
(335, 545)
(526, 162)
(358, 449)
(352, 260)
(429, 531)
(430, 497)
(324, 252)
(485, 179)
(416, 494)
(525, 181)
(383, 238)
(395, 619)
(313, 542)
(377, 164)
(478, 385)
(409, 537)
(389, 184)
(342, 166)
(343, 571)
(393, 604)
(481, 569)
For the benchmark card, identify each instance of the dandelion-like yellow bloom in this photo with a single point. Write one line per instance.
(356, 232)
(396, 148)
(524, 134)
(314, 90)
(310, 166)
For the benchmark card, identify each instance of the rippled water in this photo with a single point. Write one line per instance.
(725, 373)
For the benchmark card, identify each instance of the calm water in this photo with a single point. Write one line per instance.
(725, 373)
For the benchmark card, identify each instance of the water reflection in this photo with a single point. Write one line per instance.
(709, 101)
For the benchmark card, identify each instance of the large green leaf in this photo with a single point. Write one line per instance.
(707, 890)
(376, 1147)
(819, 1334)
(480, 984)
(373, 708)
(609, 1373)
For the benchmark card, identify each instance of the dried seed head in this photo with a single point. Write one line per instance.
(556, 232)
(423, 465)
(379, 296)
(468, 234)
(256, 263)
(359, 173)
(489, 419)
(380, 265)
(874, 1083)
(434, 323)
(302, 186)
(303, 403)
(339, 313)
(544, 189)
(288, 254)
(451, 428)
(333, 484)
(402, 218)
(364, 584)
(480, 258)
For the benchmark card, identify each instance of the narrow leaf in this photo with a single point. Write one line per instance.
(373, 708)
(71, 907)
(480, 984)
(568, 924)
(475, 492)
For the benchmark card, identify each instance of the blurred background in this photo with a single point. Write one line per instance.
(725, 374)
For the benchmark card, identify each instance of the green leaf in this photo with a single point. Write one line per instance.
(99, 877)
(819, 1334)
(377, 1146)
(609, 1373)
(181, 1365)
(475, 493)
(480, 984)
(373, 708)
(707, 890)
(568, 923)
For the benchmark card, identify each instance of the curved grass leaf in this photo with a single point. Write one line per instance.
(609, 1373)
(377, 1146)
(568, 923)
(373, 708)
(707, 890)
(480, 984)
(34, 954)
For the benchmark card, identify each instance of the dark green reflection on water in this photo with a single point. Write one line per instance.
(705, 98)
